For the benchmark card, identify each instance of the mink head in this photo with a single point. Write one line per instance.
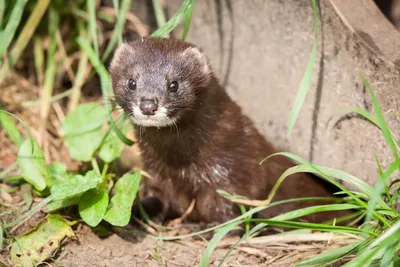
(157, 80)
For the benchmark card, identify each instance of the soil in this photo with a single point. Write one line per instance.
(90, 250)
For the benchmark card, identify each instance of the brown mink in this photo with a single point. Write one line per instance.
(194, 139)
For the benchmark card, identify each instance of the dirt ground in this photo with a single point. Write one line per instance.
(90, 250)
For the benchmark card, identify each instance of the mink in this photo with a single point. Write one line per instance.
(194, 138)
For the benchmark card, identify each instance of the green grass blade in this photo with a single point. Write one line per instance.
(372, 119)
(117, 33)
(175, 20)
(2, 9)
(105, 86)
(244, 237)
(52, 99)
(91, 9)
(314, 226)
(306, 81)
(11, 129)
(330, 256)
(214, 242)
(327, 173)
(243, 217)
(187, 23)
(21, 121)
(24, 37)
(313, 209)
(377, 247)
(159, 12)
(8, 170)
(7, 35)
(380, 119)
(380, 185)
(38, 59)
(29, 213)
(51, 63)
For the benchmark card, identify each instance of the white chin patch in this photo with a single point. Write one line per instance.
(159, 119)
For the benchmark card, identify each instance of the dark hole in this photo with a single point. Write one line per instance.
(391, 10)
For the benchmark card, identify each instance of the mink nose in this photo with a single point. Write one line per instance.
(148, 107)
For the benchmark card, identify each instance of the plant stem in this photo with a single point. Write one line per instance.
(96, 166)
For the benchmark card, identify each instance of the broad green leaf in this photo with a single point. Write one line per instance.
(112, 147)
(58, 171)
(83, 146)
(214, 242)
(93, 206)
(83, 130)
(75, 185)
(86, 117)
(119, 211)
(41, 242)
(33, 164)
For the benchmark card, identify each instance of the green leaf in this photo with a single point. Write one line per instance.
(58, 171)
(85, 118)
(75, 185)
(83, 146)
(33, 164)
(93, 206)
(112, 147)
(119, 211)
(40, 243)
(83, 130)
(214, 242)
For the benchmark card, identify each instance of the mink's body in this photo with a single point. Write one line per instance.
(194, 139)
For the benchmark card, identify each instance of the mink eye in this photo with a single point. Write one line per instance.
(173, 87)
(131, 84)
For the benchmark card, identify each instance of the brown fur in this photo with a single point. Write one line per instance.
(213, 145)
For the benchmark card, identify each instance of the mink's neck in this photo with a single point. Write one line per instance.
(181, 144)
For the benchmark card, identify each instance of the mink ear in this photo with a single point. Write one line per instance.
(195, 53)
(123, 51)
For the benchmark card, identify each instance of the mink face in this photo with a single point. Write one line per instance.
(157, 80)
